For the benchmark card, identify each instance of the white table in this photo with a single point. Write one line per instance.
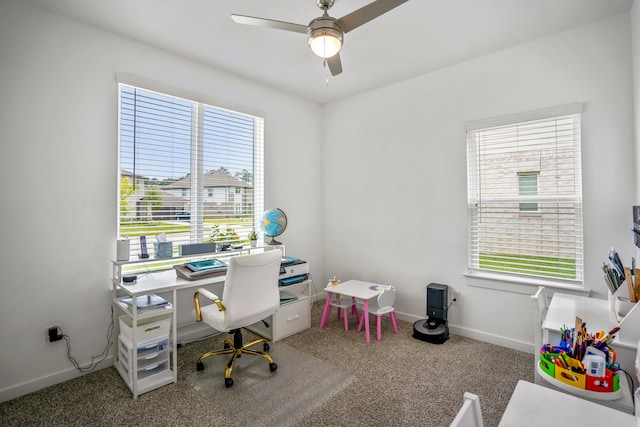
(598, 316)
(358, 289)
(534, 405)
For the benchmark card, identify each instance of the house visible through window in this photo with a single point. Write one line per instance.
(525, 195)
(187, 169)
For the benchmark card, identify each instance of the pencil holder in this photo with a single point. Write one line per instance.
(610, 382)
(569, 377)
(547, 365)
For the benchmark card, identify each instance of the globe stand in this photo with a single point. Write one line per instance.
(273, 241)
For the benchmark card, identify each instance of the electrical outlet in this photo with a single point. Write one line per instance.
(54, 333)
(455, 297)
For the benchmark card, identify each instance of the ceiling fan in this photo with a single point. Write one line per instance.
(326, 34)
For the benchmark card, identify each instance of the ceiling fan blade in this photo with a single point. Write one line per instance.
(367, 13)
(335, 65)
(270, 23)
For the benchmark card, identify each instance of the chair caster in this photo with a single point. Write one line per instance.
(226, 346)
(200, 366)
(266, 347)
(228, 382)
(273, 367)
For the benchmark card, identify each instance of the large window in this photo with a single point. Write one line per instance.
(525, 196)
(187, 169)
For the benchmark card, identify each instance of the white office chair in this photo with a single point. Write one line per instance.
(540, 306)
(250, 295)
(470, 415)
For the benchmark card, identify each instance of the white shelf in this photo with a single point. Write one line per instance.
(156, 264)
(143, 314)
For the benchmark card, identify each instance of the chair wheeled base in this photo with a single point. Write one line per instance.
(236, 348)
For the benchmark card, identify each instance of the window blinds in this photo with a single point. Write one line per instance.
(525, 198)
(187, 169)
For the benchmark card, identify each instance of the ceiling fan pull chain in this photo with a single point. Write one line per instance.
(324, 65)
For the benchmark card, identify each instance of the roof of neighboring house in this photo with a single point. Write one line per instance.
(165, 197)
(124, 172)
(210, 179)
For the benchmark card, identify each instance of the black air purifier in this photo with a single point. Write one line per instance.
(434, 328)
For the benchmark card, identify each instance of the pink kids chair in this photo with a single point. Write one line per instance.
(383, 304)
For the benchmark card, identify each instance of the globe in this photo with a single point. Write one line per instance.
(273, 223)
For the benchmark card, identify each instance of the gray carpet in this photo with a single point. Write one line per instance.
(398, 381)
(303, 383)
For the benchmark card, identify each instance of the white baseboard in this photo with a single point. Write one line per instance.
(194, 331)
(186, 333)
(457, 330)
(25, 388)
(478, 335)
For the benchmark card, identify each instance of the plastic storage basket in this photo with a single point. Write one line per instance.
(145, 332)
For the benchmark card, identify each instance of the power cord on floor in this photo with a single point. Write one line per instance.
(95, 360)
(315, 291)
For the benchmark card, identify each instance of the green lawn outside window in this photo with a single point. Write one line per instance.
(560, 268)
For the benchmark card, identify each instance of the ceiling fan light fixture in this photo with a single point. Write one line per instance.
(325, 42)
(325, 34)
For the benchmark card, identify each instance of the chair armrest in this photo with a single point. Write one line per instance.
(207, 294)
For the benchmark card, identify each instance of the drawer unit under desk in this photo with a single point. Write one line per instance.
(152, 358)
(291, 318)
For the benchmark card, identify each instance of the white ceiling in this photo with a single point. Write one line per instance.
(415, 38)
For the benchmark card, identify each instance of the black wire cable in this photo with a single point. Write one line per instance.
(95, 360)
(630, 381)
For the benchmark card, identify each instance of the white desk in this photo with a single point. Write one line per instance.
(158, 281)
(358, 289)
(534, 405)
(598, 316)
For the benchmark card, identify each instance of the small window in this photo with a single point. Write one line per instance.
(528, 186)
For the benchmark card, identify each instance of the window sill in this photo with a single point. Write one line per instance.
(520, 285)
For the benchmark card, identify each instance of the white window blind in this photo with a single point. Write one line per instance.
(187, 169)
(525, 197)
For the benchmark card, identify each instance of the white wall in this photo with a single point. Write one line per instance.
(395, 171)
(58, 174)
(392, 160)
(635, 42)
